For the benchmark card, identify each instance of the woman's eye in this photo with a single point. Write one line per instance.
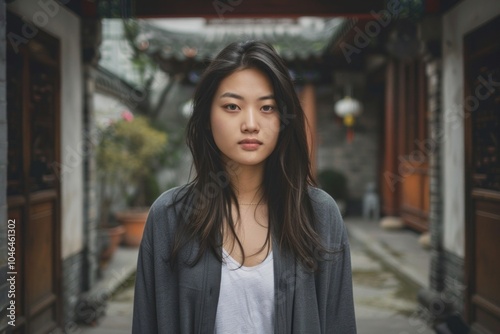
(231, 107)
(268, 108)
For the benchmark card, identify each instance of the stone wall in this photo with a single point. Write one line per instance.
(454, 287)
(446, 288)
(433, 72)
(72, 282)
(358, 160)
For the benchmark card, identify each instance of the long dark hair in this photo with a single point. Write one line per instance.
(287, 174)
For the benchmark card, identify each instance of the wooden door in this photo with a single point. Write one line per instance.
(482, 143)
(33, 186)
(406, 163)
(413, 160)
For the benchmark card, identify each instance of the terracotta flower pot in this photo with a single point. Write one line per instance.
(133, 221)
(114, 235)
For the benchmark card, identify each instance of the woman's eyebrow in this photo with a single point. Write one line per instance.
(239, 97)
(267, 97)
(233, 95)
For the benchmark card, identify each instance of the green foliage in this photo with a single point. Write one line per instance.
(127, 157)
(334, 183)
(129, 148)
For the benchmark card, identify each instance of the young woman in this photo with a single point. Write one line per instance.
(250, 245)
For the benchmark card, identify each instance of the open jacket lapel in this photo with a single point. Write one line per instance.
(284, 288)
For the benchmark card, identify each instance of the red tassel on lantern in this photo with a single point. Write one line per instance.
(350, 135)
(349, 122)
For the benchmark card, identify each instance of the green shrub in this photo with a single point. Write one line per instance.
(127, 156)
(334, 183)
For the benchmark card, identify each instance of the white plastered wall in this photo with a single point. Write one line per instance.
(65, 25)
(462, 19)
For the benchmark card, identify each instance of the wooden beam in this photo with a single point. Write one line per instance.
(255, 8)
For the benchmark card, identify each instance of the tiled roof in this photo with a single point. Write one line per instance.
(300, 44)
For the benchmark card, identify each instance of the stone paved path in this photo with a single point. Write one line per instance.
(118, 318)
(385, 302)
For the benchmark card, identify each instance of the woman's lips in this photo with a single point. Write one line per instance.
(250, 144)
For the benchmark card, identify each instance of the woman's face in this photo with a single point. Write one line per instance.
(244, 117)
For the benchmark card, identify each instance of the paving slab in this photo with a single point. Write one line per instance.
(385, 289)
(118, 314)
(398, 249)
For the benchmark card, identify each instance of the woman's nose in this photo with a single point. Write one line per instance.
(250, 123)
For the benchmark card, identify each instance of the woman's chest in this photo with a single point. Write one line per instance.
(249, 242)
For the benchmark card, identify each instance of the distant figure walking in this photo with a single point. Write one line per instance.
(371, 203)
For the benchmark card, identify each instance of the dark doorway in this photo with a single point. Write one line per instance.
(482, 177)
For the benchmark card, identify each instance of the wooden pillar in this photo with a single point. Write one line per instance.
(401, 114)
(390, 175)
(308, 100)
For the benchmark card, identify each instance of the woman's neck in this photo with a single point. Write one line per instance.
(247, 183)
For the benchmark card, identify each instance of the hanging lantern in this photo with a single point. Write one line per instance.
(348, 108)
(187, 108)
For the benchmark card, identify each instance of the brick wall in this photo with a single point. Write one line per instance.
(436, 205)
(72, 282)
(90, 205)
(447, 270)
(446, 288)
(454, 287)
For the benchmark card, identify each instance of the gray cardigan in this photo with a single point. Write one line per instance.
(185, 300)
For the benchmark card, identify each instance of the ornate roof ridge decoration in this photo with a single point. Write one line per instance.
(259, 20)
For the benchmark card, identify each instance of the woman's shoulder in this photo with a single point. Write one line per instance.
(162, 218)
(328, 215)
(322, 201)
(169, 202)
(169, 196)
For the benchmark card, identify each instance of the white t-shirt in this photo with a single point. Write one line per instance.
(246, 299)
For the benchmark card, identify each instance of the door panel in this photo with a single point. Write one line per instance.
(482, 138)
(415, 201)
(39, 246)
(32, 188)
(487, 232)
(405, 189)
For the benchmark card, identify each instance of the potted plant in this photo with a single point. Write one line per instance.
(335, 184)
(127, 157)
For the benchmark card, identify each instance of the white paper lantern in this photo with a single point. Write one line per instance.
(187, 108)
(348, 107)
